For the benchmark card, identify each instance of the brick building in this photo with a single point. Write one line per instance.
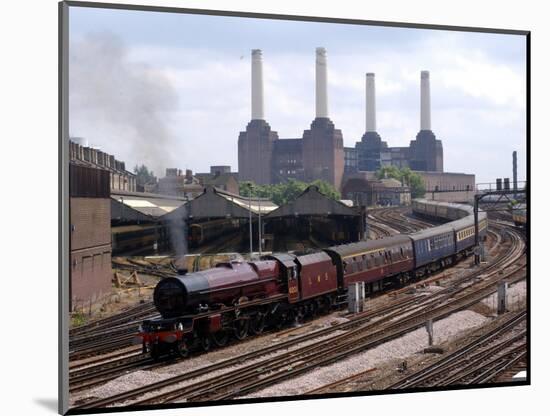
(120, 178)
(363, 188)
(90, 234)
(177, 184)
(220, 177)
(449, 186)
(319, 154)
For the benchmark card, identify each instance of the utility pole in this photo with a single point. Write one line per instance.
(477, 258)
(259, 227)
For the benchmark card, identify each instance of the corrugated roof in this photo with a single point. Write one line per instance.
(255, 204)
(313, 202)
(216, 203)
(152, 205)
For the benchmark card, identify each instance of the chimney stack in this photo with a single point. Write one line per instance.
(321, 98)
(257, 85)
(370, 103)
(425, 118)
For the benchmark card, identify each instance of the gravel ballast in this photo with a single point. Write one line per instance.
(400, 348)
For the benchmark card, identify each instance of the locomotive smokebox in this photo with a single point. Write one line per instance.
(176, 296)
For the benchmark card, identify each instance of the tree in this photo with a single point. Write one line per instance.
(406, 176)
(144, 175)
(284, 193)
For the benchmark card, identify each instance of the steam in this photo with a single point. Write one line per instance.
(178, 233)
(120, 105)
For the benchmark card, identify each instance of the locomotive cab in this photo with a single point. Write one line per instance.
(289, 274)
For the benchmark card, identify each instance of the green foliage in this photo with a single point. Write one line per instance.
(78, 319)
(283, 193)
(144, 175)
(406, 176)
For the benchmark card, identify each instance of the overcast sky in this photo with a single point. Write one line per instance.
(173, 90)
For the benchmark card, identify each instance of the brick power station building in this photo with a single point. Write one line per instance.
(264, 158)
(319, 154)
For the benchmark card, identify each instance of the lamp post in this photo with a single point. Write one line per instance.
(259, 228)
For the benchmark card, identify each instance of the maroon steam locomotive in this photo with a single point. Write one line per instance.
(241, 298)
(235, 299)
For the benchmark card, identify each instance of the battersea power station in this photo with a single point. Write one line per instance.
(264, 158)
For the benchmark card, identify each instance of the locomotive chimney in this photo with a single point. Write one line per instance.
(425, 117)
(257, 85)
(181, 271)
(370, 104)
(321, 98)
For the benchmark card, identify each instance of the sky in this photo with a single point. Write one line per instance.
(173, 90)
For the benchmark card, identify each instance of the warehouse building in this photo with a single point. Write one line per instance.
(90, 235)
(364, 188)
(448, 186)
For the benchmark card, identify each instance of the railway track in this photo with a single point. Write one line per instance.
(400, 220)
(479, 361)
(116, 332)
(360, 334)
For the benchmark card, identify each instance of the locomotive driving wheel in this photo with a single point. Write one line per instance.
(257, 323)
(206, 343)
(220, 338)
(240, 330)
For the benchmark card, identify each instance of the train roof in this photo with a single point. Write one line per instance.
(361, 247)
(432, 232)
(313, 258)
(463, 223)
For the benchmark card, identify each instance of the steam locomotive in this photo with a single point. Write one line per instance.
(235, 298)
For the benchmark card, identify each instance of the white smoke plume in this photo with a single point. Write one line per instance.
(122, 106)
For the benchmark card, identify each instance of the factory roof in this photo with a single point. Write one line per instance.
(129, 205)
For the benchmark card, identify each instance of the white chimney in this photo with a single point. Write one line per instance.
(371, 104)
(425, 118)
(321, 99)
(257, 85)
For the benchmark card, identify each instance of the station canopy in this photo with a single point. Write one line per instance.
(311, 202)
(142, 206)
(216, 203)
